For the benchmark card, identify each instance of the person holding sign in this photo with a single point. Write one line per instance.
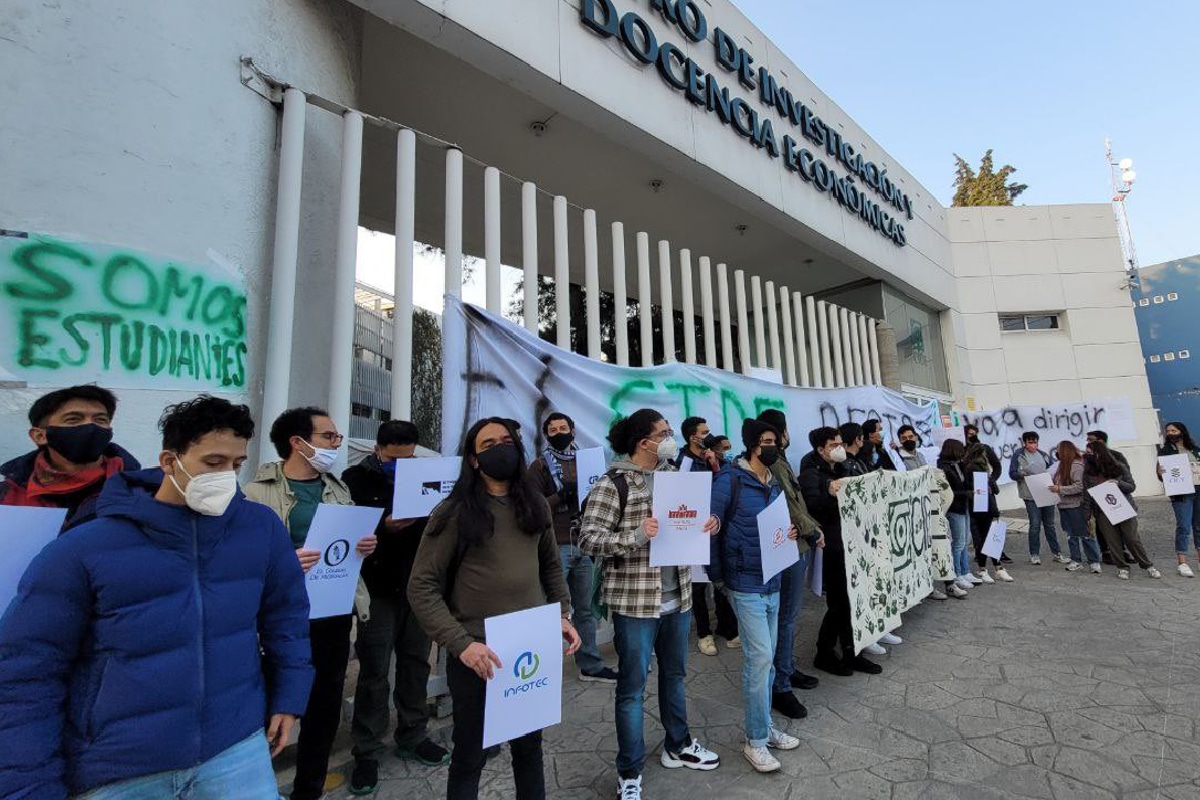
(1101, 468)
(75, 455)
(1031, 460)
(557, 478)
(488, 550)
(307, 440)
(1068, 485)
(1178, 442)
(149, 648)
(978, 463)
(650, 605)
(740, 494)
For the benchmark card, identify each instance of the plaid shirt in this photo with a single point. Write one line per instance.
(630, 587)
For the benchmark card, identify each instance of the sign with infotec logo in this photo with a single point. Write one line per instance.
(525, 694)
(856, 184)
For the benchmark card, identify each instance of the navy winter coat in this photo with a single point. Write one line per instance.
(132, 646)
(736, 555)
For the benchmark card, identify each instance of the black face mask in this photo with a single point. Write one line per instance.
(768, 455)
(910, 445)
(79, 444)
(561, 441)
(1173, 437)
(500, 463)
(973, 438)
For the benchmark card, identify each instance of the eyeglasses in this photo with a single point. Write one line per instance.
(332, 437)
(663, 436)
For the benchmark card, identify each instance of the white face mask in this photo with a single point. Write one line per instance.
(322, 459)
(208, 494)
(667, 450)
(837, 454)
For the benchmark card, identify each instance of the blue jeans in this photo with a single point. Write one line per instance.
(636, 638)
(1187, 522)
(791, 600)
(577, 572)
(1075, 524)
(758, 625)
(1039, 518)
(243, 770)
(960, 540)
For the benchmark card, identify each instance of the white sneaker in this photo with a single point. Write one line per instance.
(890, 638)
(629, 788)
(780, 740)
(985, 577)
(1074, 566)
(1059, 558)
(1123, 574)
(957, 591)
(760, 758)
(964, 583)
(1035, 560)
(694, 756)
(734, 643)
(1186, 571)
(1003, 575)
(1153, 572)
(706, 646)
(937, 594)
(875, 649)
(1096, 568)
(974, 579)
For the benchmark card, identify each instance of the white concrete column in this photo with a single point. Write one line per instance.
(864, 350)
(402, 317)
(529, 254)
(773, 327)
(815, 338)
(666, 300)
(645, 307)
(739, 282)
(562, 275)
(789, 343)
(706, 311)
(341, 362)
(277, 370)
(855, 350)
(873, 333)
(491, 238)
(591, 282)
(760, 333)
(835, 340)
(802, 342)
(620, 310)
(687, 305)
(823, 329)
(726, 317)
(844, 328)
(454, 221)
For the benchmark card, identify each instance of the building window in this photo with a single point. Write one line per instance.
(1172, 295)
(1158, 298)
(1145, 301)
(1168, 356)
(1185, 353)
(1155, 359)
(1029, 322)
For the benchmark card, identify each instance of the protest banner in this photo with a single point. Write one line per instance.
(525, 694)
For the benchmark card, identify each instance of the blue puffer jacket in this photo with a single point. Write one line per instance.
(736, 556)
(132, 646)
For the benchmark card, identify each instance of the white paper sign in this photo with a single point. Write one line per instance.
(778, 551)
(685, 464)
(335, 531)
(1176, 475)
(699, 573)
(818, 571)
(1109, 498)
(422, 483)
(681, 505)
(1039, 486)
(25, 531)
(982, 493)
(525, 694)
(993, 546)
(589, 466)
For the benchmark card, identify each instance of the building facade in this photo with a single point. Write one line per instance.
(1170, 335)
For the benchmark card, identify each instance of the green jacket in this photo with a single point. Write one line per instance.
(803, 521)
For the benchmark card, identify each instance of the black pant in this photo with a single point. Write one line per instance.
(393, 628)
(330, 640)
(835, 627)
(727, 625)
(468, 691)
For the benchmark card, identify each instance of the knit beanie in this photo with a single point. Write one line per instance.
(752, 431)
(775, 418)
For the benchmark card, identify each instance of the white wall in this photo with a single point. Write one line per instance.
(1062, 259)
(125, 122)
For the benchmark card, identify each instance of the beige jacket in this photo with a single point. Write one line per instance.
(270, 487)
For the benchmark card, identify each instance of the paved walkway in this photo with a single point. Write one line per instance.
(1059, 686)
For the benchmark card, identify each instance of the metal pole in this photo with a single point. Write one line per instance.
(562, 274)
(645, 309)
(802, 341)
(277, 370)
(687, 301)
(814, 341)
(620, 303)
(341, 362)
(739, 283)
(529, 254)
(726, 318)
(789, 343)
(706, 311)
(402, 316)
(666, 301)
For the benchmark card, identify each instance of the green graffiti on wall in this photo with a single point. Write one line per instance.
(695, 399)
(75, 311)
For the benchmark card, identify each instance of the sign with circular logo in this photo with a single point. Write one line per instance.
(526, 665)
(336, 552)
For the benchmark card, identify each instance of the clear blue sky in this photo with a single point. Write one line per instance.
(1042, 83)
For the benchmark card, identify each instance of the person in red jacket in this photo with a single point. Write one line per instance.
(72, 429)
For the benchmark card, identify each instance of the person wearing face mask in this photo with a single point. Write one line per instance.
(1177, 440)
(72, 430)
(736, 568)
(392, 629)
(557, 479)
(821, 473)
(988, 456)
(909, 442)
(719, 444)
(308, 442)
(488, 550)
(163, 643)
(650, 605)
(873, 452)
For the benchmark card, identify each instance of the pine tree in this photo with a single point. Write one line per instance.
(987, 187)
